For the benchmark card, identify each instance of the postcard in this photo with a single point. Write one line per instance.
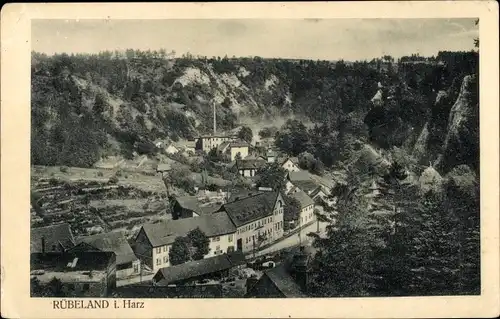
(250, 160)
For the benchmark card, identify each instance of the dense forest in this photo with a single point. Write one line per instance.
(88, 106)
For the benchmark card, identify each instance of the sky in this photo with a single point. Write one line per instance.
(324, 39)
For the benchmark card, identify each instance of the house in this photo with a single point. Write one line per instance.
(191, 206)
(207, 143)
(288, 280)
(81, 273)
(127, 264)
(171, 149)
(193, 271)
(231, 149)
(238, 147)
(154, 241)
(53, 238)
(291, 164)
(271, 156)
(258, 219)
(301, 181)
(249, 167)
(306, 207)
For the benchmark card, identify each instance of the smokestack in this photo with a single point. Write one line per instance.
(215, 120)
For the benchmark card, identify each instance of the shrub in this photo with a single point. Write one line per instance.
(100, 174)
(113, 180)
(64, 169)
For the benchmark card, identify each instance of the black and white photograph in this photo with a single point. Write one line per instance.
(286, 158)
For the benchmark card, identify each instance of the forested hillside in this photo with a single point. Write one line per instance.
(85, 107)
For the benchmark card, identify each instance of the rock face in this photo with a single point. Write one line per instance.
(451, 136)
(461, 144)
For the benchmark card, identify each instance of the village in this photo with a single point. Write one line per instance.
(215, 242)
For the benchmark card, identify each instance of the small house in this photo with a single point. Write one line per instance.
(291, 164)
(306, 207)
(127, 264)
(249, 167)
(53, 238)
(171, 149)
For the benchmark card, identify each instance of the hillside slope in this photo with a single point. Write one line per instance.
(85, 107)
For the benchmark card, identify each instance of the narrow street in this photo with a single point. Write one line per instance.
(294, 240)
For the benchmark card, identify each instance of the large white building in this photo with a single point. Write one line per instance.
(154, 241)
(258, 219)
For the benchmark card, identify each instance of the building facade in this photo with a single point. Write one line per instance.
(306, 215)
(207, 143)
(154, 241)
(258, 220)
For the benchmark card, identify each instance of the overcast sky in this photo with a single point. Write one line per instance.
(329, 39)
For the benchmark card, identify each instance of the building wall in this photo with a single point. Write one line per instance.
(218, 245)
(208, 143)
(291, 167)
(306, 215)
(171, 149)
(271, 226)
(242, 150)
(132, 268)
(248, 172)
(221, 244)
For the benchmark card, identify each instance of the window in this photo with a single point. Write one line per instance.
(158, 250)
(136, 268)
(217, 248)
(216, 239)
(158, 261)
(230, 238)
(164, 249)
(165, 259)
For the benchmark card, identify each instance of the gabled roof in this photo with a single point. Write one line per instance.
(284, 282)
(192, 203)
(164, 233)
(303, 199)
(294, 160)
(251, 208)
(239, 143)
(250, 163)
(59, 234)
(112, 242)
(163, 167)
(306, 186)
(200, 267)
(223, 147)
(299, 176)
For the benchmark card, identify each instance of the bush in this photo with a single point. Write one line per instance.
(113, 180)
(100, 174)
(64, 169)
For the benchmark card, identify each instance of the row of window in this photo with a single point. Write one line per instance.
(278, 226)
(165, 249)
(256, 224)
(304, 219)
(251, 238)
(158, 260)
